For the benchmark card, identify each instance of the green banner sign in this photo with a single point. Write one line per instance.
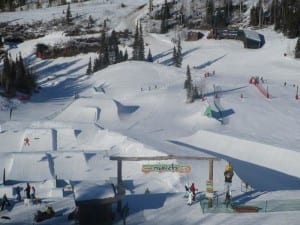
(179, 168)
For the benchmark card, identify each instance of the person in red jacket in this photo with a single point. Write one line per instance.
(193, 190)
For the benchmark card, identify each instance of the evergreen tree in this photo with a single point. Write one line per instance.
(166, 10)
(149, 56)
(174, 56)
(135, 45)
(178, 54)
(210, 8)
(2, 5)
(188, 81)
(163, 26)
(20, 73)
(125, 55)
(68, 14)
(297, 49)
(254, 16)
(141, 49)
(188, 85)
(89, 69)
(6, 71)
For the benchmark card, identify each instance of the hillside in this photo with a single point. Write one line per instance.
(139, 109)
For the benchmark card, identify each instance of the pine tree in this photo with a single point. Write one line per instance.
(188, 85)
(135, 46)
(149, 56)
(174, 56)
(297, 49)
(2, 5)
(187, 82)
(125, 55)
(5, 77)
(178, 54)
(141, 49)
(68, 14)
(89, 69)
(210, 8)
(163, 26)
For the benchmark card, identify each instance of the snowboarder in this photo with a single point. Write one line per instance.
(18, 190)
(5, 202)
(27, 190)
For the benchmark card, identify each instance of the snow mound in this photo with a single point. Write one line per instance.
(66, 139)
(124, 110)
(248, 151)
(30, 167)
(39, 139)
(76, 169)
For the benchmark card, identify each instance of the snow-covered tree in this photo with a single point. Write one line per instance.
(149, 56)
(89, 69)
(177, 55)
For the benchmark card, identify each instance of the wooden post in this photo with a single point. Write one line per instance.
(210, 178)
(119, 184)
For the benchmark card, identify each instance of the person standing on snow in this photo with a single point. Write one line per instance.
(190, 198)
(4, 202)
(193, 190)
(33, 193)
(186, 187)
(27, 190)
(18, 191)
(228, 198)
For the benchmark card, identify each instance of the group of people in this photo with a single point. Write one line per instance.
(191, 193)
(29, 192)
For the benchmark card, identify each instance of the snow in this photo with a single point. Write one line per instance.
(141, 110)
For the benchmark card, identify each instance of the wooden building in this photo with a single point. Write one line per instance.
(94, 202)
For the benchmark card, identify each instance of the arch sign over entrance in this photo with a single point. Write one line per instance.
(119, 159)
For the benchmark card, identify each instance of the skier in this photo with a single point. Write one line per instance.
(27, 190)
(4, 202)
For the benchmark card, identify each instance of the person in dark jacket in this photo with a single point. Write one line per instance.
(5, 202)
(27, 190)
(18, 191)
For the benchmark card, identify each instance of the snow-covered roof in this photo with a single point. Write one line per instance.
(86, 191)
(250, 34)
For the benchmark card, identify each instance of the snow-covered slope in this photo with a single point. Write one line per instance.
(140, 109)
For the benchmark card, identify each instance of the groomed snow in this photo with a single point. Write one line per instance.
(142, 111)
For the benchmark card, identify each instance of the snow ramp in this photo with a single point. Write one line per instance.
(264, 155)
(32, 167)
(125, 110)
(66, 139)
(40, 139)
(70, 165)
